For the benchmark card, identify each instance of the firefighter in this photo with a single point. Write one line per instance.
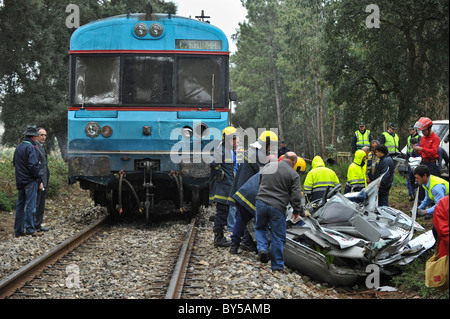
(245, 200)
(428, 148)
(254, 159)
(223, 169)
(318, 179)
(356, 175)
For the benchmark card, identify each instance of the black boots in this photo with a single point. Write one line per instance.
(234, 249)
(219, 238)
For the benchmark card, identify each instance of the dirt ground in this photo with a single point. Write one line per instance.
(56, 208)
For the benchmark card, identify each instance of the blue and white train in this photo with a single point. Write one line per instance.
(149, 98)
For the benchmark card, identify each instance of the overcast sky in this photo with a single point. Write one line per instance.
(225, 14)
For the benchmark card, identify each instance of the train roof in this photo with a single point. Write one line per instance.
(117, 33)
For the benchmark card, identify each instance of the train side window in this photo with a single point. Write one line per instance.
(199, 81)
(97, 80)
(147, 80)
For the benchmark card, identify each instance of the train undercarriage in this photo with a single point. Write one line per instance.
(150, 192)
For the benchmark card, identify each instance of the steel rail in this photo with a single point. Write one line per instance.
(19, 278)
(175, 288)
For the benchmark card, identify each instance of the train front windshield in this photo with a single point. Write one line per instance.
(150, 80)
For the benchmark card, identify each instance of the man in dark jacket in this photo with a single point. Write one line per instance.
(223, 170)
(386, 165)
(28, 180)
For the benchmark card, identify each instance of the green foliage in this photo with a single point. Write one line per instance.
(413, 277)
(8, 192)
(333, 71)
(395, 72)
(58, 175)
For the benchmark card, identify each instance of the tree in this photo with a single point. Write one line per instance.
(256, 76)
(394, 73)
(301, 38)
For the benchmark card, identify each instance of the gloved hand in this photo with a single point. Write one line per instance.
(219, 177)
(421, 212)
(306, 213)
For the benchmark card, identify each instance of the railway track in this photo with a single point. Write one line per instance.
(74, 270)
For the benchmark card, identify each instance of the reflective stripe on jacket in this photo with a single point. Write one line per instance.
(434, 180)
(246, 195)
(319, 177)
(391, 142)
(356, 174)
(362, 139)
(223, 163)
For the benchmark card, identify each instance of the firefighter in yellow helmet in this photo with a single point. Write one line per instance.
(223, 169)
(254, 159)
(318, 179)
(299, 167)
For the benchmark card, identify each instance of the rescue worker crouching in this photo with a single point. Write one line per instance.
(245, 200)
(244, 197)
(223, 169)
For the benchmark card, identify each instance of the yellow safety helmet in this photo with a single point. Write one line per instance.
(300, 166)
(229, 130)
(268, 136)
(264, 138)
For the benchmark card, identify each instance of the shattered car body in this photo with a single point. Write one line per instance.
(343, 237)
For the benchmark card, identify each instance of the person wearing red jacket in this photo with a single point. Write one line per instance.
(429, 145)
(440, 223)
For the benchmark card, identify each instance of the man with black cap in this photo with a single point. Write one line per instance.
(283, 149)
(28, 180)
(361, 138)
(391, 139)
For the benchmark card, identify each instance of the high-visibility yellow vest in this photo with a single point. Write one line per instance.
(409, 150)
(356, 174)
(434, 180)
(319, 178)
(408, 144)
(391, 142)
(362, 139)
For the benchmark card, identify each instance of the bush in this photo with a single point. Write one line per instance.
(8, 192)
(58, 176)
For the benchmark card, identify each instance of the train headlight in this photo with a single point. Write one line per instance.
(107, 131)
(201, 130)
(156, 30)
(187, 132)
(141, 29)
(92, 129)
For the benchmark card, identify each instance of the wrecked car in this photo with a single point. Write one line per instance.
(347, 233)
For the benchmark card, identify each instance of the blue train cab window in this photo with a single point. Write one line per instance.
(200, 80)
(97, 80)
(148, 80)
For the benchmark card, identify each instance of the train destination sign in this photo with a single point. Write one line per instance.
(198, 44)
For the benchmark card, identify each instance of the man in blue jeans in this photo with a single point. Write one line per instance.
(279, 186)
(28, 180)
